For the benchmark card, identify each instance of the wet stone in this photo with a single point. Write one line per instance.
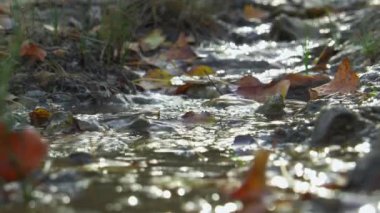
(287, 28)
(273, 107)
(89, 124)
(372, 76)
(336, 125)
(365, 176)
(80, 158)
(244, 140)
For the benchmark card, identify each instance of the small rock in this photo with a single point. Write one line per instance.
(287, 28)
(365, 176)
(89, 124)
(81, 158)
(139, 124)
(335, 125)
(273, 107)
(244, 140)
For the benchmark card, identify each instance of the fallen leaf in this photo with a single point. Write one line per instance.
(301, 80)
(40, 116)
(155, 79)
(180, 50)
(251, 88)
(345, 81)
(21, 153)
(32, 51)
(255, 182)
(252, 13)
(323, 59)
(194, 117)
(201, 70)
(152, 41)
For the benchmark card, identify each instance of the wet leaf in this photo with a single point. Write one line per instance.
(251, 13)
(301, 80)
(251, 88)
(155, 79)
(32, 51)
(152, 41)
(194, 117)
(255, 182)
(39, 116)
(180, 50)
(324, 58)
(201, 70)
(21, 153)
(345, 81)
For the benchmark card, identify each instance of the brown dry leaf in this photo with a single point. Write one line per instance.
(251, 88)
(180, 50)
(324, 58)
(345, 81)
(255, 182)
(201, 70)
(183, 89)
(194, 117)
(252, 13)
(301, 80)
(32, 51)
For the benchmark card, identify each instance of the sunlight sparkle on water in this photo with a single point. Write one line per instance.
(133, 201)
(279, 182)
(367, 208)
(363, 147)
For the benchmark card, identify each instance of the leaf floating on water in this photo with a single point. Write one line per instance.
(32, 51)
(251, 88)
(152, 41)
(181, 50)
(345, 81)
(255, 183)
(201, 70)
(194, 117)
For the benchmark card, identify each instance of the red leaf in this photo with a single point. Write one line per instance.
(20, 153)
(32, 51)
(251, 88)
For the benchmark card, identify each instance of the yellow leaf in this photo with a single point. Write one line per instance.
(201, 70)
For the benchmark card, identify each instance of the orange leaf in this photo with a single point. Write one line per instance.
(255, 183)
(180, 50)
(32, 51)
(39, 116)
(345, 81)
(324, 58)
(251, 12)
(251, 88)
